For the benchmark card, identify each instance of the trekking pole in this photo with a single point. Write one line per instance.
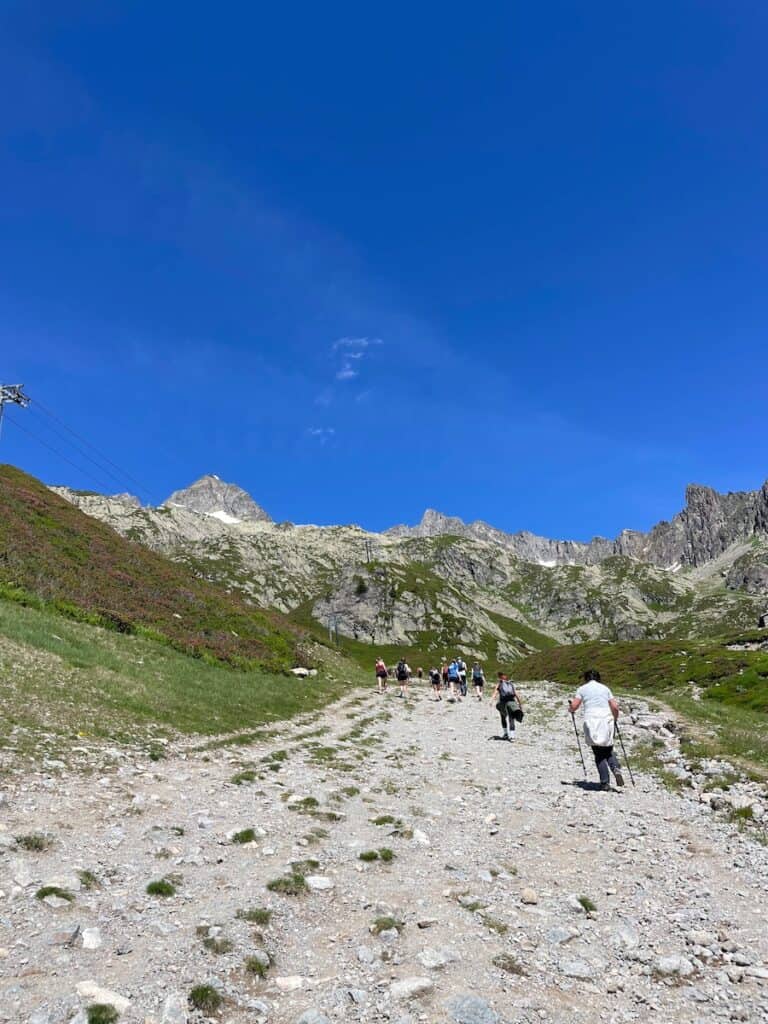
(578, 741)
(624, 752)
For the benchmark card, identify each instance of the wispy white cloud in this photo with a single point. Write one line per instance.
(321, 434)
(358, 344)
(361, 397)
(325, 398)
(347, 372)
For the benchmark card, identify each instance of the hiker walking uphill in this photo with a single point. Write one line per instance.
(508, 704)
(436, 679)
(478, 679)
(403, 673)
(601, 712)
(454, 680)
(462, 667)
(381, 675)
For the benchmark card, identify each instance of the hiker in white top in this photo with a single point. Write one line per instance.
(601, 711)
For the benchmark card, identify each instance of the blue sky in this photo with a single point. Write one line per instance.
(505, 260)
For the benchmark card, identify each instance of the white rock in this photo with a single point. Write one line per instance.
(410, 988)
(312, 1017)
(673, 965)
(291, 983)
(318, 883)
(94, 993)
(91, 938)
(433, 959)
(420, 837)
(576, 969)
(175, 1009)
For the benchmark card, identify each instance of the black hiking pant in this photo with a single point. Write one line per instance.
(506, 709)
(605, 759)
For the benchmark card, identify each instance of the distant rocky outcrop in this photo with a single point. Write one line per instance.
(709, 524)
(211, 496)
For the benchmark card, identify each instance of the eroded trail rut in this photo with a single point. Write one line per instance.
(479, 910)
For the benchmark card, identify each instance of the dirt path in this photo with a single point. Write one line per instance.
(493, 846)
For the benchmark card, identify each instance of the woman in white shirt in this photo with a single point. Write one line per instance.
(601, 711)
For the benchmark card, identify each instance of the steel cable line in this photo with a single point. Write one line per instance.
(61, 455)
(126, 476)
(84, 454)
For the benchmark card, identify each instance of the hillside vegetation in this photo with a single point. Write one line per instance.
(53, 555)
(719, 685)
(64, 682)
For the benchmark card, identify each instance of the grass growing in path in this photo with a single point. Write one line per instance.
(35, 842)
(54, 890)
(255, 915)
(205, 998)
(101, 1013)
(289, 885)
(161, 887)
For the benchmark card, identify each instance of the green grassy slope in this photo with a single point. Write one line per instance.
(63, 682)
(53, 555)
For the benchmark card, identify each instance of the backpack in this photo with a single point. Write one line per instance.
(506, 690)
(477, 673)
(461, 665)
(402, 670)
(453, 670)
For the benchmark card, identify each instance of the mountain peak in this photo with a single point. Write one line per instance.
(211, 496)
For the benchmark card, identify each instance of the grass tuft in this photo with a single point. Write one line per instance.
(386, 923)
(88, 880)
(289, 885)
(161, 887)
(217, 945)
(255, 915)
(589, 906)
(35, 842)
(54, 890)
(205, 998)
(101, 1013)
(247, 835)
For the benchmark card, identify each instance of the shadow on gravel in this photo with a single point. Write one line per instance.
(501, 739)
(589, 787)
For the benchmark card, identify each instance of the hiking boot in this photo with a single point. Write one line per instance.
(619, 778)
(605, 787)
(506, 735)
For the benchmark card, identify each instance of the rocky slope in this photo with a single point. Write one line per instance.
(513, 891)
(445, 582)
(707, 527)
(212, 497)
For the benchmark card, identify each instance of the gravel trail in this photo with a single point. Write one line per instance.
(514, 894)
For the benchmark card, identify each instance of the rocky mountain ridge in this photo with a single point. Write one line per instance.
(446, 583)
(211, 496)
(709, 524)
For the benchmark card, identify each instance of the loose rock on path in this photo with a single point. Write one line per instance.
(511, 893)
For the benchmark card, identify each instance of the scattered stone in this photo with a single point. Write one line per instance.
(434, 959)
(312, 1017)
(469, 1009)
(291, 983)
(410, 988)
(64, 936)
(576, 969)
(94, 993)
(427, 922)
(529, 896)
(91, 938)
(174, 1009)
(668, 966)
(319, 883)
